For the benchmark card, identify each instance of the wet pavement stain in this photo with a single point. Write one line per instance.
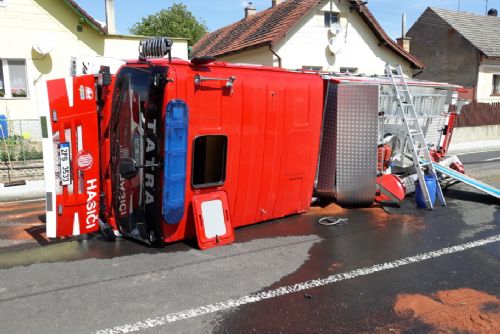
(372, 236)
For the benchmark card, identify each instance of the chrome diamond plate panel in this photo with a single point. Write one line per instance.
(356, 143)
(326, 170)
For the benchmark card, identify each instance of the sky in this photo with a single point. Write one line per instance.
(219, 13)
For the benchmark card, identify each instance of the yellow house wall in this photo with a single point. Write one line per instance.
(22, 22)
(260, 56)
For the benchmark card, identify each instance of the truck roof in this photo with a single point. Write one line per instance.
(337, 77)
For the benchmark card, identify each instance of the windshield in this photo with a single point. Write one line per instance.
(132, 136)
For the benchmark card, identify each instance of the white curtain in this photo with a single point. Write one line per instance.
(17, 76)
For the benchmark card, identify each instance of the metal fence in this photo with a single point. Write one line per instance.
(21, 156)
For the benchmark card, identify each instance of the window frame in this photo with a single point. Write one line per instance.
(224, 163)
(330, 14)
(347, 68)
(493, 91)
(312, 68)
(4, 63)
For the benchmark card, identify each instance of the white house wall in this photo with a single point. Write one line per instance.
(487, 69)
(306, 44)
(127, 47)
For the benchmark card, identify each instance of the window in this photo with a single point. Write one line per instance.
(349, 70)
(3, 3)
(331, 18)
(13, 81)
(312, 68)
(496, 84)
(209, 161)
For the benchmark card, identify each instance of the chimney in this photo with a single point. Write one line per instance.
(403, 41)
(110, 16)
(277, 2)
(492, 12)
(250, 10)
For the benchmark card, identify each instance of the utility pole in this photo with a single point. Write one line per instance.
(458, 5)
(486, 13)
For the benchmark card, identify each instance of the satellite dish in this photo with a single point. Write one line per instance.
(335, 44)
(44, 44)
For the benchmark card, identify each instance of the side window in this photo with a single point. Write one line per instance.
(312, 68)
(496, 84)
(17, 76)
(349, 70)
(209, 161)
(331, 18)
(13, 80)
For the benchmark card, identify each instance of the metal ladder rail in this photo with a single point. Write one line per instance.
(414, 134)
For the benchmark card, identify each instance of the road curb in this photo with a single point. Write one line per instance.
(31, 190)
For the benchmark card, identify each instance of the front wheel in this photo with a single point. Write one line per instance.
(106, 230)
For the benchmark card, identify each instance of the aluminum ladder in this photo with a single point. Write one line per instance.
(415, 137)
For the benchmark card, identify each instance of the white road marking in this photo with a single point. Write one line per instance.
(253, 298)
(492, 159)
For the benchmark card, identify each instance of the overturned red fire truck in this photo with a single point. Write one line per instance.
(167, 149)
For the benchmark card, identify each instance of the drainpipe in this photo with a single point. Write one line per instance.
(276, 55)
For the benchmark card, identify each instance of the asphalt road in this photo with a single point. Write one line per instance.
(415, 272)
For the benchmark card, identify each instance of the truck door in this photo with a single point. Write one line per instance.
(71, 157)
(135, 144)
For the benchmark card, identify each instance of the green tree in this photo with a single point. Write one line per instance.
(175, 21)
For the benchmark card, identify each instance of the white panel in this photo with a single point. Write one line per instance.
(79, 138)
(76, 224)
(49, 169)
(69, 89)
(213, 218)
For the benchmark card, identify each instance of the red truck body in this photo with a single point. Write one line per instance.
(252, 141)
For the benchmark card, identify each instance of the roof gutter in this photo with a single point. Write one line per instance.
(276, 55)
(83, 16)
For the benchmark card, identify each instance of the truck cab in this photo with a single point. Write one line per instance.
(167, 149)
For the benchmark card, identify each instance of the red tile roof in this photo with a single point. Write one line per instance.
(269, 26)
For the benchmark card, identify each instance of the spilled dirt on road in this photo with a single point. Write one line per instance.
(375, 215)
(451, 311)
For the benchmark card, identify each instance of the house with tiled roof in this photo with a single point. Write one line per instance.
(460, 48)
(37, 43)
(326, 35)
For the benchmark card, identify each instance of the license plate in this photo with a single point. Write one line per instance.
(65, 168)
